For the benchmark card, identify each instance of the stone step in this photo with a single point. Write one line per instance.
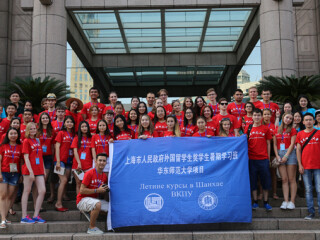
(212, 235)
(258, 224)
(73, 215)
(71, 205)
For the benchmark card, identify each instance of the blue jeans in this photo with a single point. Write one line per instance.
(307, 179)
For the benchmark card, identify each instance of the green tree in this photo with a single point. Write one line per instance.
(289, 88)
(35, 89)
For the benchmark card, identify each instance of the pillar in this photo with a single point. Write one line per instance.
(277, 38)
(49, 45)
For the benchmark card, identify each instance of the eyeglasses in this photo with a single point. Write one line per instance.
(224, 104)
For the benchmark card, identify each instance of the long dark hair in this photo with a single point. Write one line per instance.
(80, 133)
(308, 104)
(194, 118)
(6, 138)
(49, 127)
(145, 105)
(116, 130)
(282, 109)
(107, 131)
(156, 119)
(184, 107)
(129, 119)
(74, 124)
(197, 109)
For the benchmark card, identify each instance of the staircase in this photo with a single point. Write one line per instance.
(277, 224)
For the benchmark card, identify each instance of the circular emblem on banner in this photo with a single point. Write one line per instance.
(153, 202)
(208, 200)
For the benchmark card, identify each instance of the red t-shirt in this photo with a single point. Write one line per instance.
(100, 143)
(311, 152)
(65, 139)
(285, 137)
(273, 107)
(146, 133)
(234, 123)
(133, 128)
(168, 134)
(205, 134)
(211, 126)
(168, 109)
(52, 114)
(189, 130)
(257, 143)
(110, 126)
(76, 116)
(92, 180)
(246, 121)
(4, 126)
(85, 150)
(112, 108)
(22, 131)
(93, 125)
(123, 135)
(7, 152)
(86, 108)
(258, 104)
(160, 128)
(46, 142)
(33, 148)
(56, 125)
(236, 110)
(272, 128)
(215, 108)
(151, 115)
(180, 118)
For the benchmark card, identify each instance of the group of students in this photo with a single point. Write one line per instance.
(68, 139)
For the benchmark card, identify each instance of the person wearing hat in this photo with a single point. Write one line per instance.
(74, 105)
(51, 101)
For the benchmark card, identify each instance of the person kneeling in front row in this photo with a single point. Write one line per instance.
(94, 183)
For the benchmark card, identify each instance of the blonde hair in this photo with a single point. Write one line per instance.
(141, 129)
(29, 125)
(289, 127)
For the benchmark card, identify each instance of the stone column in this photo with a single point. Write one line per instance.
(277, 38)
(49, 40)
(5, 41)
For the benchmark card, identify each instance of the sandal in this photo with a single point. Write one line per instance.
(12, 212)
(275, 196)
(3, 224)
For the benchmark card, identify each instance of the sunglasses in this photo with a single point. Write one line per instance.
(224, 104)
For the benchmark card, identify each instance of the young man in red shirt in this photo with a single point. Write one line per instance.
(51, 102)
(212, 96)
(163, 95)
(94, 95)
(259, 137)
(266, 103)
(237, 108)
(94, 183)
(57, 124)
(253, 94)
(308, 160)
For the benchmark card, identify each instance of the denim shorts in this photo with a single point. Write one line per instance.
(292, 160)
(259, 169)
(47, 160)
(10, 178)
(67, 165)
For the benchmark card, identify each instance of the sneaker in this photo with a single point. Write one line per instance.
(284, 205)
(27, 220)
(255, 206)
(309, 217)
(267, 207)
(38, 219)
(291, 206)
(94, 231)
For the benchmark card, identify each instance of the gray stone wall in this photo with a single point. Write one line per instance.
(307, 38)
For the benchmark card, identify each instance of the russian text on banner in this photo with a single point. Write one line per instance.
(164, 181)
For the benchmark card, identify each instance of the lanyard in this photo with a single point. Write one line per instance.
(214, 111)
(186, 130)
(59, 125)
(264, 106)
(70, 136)
(239, 111)
(13, 151)
(135, 129)
(103, 142)
(52, 116)
(84, 143)
(44, 135)
(205, 133)
(98, 179)
(36, 144)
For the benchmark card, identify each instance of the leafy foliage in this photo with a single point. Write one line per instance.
(289, 88)
(35, 89)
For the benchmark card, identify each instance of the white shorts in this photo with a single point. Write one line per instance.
(87, 204)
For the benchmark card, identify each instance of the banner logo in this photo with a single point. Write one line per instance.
(208, 201)
(153, 202)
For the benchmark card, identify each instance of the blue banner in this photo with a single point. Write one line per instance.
(176, 180)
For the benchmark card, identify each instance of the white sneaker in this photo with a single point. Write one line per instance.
(94, 231)
(291, 206)
(284, 205)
